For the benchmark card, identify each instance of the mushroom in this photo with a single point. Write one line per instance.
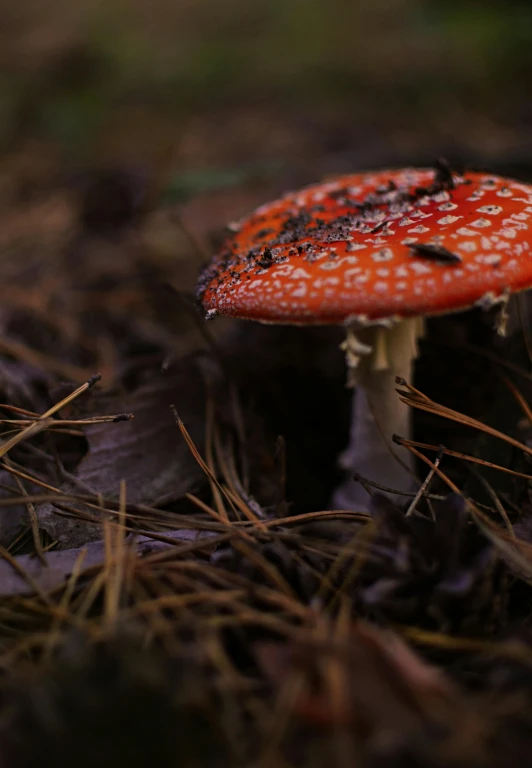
(376, 252)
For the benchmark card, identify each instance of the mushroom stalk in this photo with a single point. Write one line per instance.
(378, 414)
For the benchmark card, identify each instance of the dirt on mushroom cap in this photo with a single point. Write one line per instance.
(343, 248)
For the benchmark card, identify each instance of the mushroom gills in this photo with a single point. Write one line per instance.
(380, 347)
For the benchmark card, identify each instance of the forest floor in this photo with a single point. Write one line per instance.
(173, 585)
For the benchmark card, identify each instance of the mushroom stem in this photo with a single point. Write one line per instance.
(378, 414)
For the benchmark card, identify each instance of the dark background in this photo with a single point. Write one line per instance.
(230, 102)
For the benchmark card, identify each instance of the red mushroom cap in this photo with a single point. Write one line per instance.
(399, 243)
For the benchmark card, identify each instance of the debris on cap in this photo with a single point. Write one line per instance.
(370, 246)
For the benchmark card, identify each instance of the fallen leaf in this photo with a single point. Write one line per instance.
(148, 452)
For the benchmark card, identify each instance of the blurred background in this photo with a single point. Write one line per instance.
(198, 96)
(92, 77)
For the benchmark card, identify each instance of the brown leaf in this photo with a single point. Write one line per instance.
(59, 565)
(148, 453)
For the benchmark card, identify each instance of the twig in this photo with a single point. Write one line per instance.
(425, 483)
(520, 552)
(207, 470)
(458, 455)
(32, 515)
(416, 399)
(372, 484)
(495, 499)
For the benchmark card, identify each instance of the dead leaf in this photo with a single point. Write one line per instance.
(59, 564)
(148, 453)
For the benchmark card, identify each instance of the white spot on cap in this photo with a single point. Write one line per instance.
(509, 233)
(489, 258)
(333, 264)
(469, 246)
(504, 192)
(405, 222)
(382, 272)
(492, 210)
(420, 230)
(350, 247)
(521, 187)
(300, 273)
(380, 287)
(448, 220)
(385, 254)
(481, 223)
(409, 240)
(420, 268)
(447, 207)
(422, 215)
(513, 224)
(401, 271)
(466, 232)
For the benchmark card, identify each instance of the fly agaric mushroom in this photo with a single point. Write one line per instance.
(376, 252)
